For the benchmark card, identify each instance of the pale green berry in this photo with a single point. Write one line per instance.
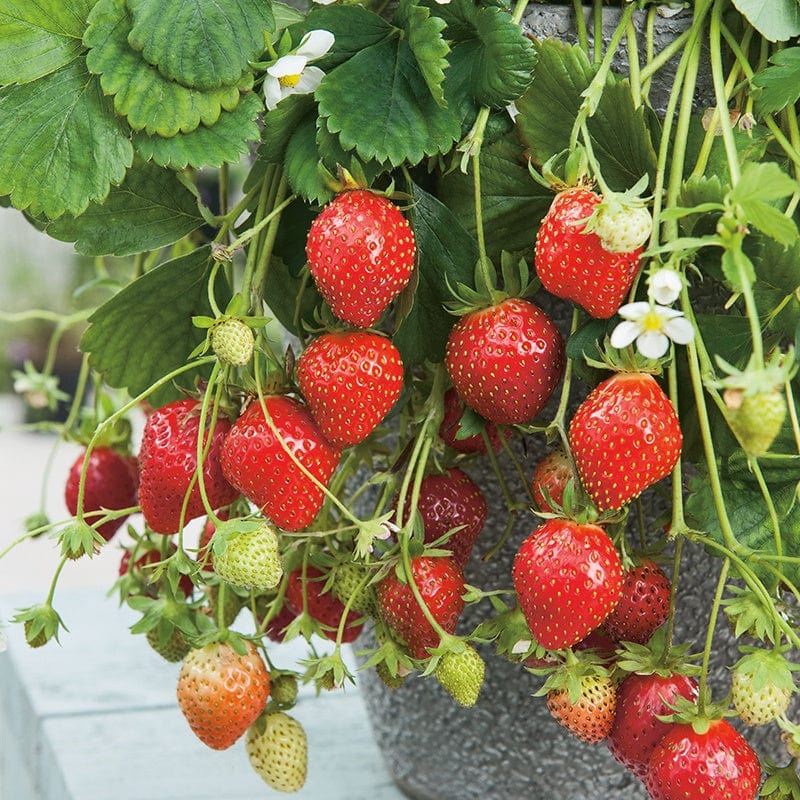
(232, 341)
(283, 689)
(278, 751)
(461, 674)
(756, 418)
(347, 580)
(623, 229)
(251, 559)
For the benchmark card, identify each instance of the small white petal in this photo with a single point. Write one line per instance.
(309, 80)
(624, 334)
(664, 286)
(680, 330)
(272, 92)
(315, 44)
(442, 2)
(652, 344)
(521, 646)
(324, 2)
(287, 65)
(513, 111)
(634, 311)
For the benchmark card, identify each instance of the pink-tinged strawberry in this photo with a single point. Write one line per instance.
(168, 462)
(716, 764)
(624, 437)
(505, 360)
(451, 425)
(590, 715)
(641, 699)
(112, 480)
(440, 582)
(448, 501)
(221, 693)
(255, 460)
(568, 579)
(550, 477)
(361, 255)
(350, 380)
(644, 605)
(323, 606)
(573, 264)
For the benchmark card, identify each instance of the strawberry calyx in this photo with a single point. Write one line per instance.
(700, 713)
(654, 659)
(569, 671)
(782, 783)
(564, 170)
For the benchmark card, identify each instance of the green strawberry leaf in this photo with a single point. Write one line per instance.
(776, 283)
(301, 165)
(150, 209)
(62, 145)
(764, 182)
(223, 142)
(285, 15)
(619, 132)
(282, 294)
(153, 316)
(398, 118)
(446, 253)
(776, 20)
(201, 45)
(280, 124)
(780, 82)
(150, 101)
(38, 37)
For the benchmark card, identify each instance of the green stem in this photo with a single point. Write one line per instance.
(580, 26)
(597, 24)
(264, 221)
(712, 624)
(673, 596)
(633, 64)
(267, 246)
(773, 514)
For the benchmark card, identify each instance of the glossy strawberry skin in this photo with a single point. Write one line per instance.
(361, 254)
(591, 717)
(716, 764)
(449, 501)
(625, 436)
(112, 481)
(441, 584)
(453, 412)
(350, 380)
(550, 476)
(324, 607)
(505, 361)
(573, 265)
(255, 462)
(168, 460)
(641, 699)
(643, 607)
(568, 579)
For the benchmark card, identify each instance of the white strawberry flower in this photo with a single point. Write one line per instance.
(664, 286)
(651, 326)
(291, 74)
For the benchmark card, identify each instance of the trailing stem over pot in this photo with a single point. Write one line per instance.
(325, 344)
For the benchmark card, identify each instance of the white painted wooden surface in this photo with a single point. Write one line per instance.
(96, 719)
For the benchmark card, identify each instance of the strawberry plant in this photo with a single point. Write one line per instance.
(385, 294)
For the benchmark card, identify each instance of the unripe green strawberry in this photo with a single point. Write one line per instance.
(756, 418)
(283, 689)
(390, 681)
(347, 578)
(761, 686)
(32, 637)
(173, 649)
(278, 751)
(461, 674)
(250, 559)
(232, 341)
(622, 228)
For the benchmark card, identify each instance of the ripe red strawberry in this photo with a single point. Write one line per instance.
(568, 579)
(112, 480)
(641, 699)
(625, 436)
(222, 693)
(256, 462)
(441, 583)
(573, 264)
(453, 412)
(550, 476)
(323, 606)
(168, 461)
(715, 764)
(591, 716)
(361, 254)
(350, 380)
(644, 605)
(505, 360)
(452, 500)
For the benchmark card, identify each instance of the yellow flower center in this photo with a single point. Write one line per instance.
(651, 321)
(289, 81)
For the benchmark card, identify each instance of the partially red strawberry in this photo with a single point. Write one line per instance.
(568, 579)
(112, 480)
(454, 410)
(448, 501)
(350, 380)
(222, 693)
(624, 437)
(641, 699)
(716, 764)
(550, 476)
(168, 462)
(505, 360)
(644, 605)
(573, 264)
(441, 584)
(255, 459)
(590, 716)
(323, 606)
(361, 254)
